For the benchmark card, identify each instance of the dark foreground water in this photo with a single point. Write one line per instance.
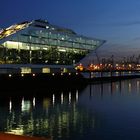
(107, 111)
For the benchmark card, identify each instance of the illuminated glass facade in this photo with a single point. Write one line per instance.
(39, 42)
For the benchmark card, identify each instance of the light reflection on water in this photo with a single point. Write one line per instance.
(55, 114)
(102, 111)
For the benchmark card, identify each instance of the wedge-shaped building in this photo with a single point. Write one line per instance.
(39, 42)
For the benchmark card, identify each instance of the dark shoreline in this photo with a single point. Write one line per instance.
(57, 81)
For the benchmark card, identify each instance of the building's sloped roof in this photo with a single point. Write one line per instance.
(36, 23)
(13, 29)
(45, 25)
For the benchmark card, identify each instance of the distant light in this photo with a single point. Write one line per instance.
(34, 101)
(69, 73)
(10, 75)
(22, 75)
(33, 75)
(61, 73)
(10, 105)
(76, 73)
(22, 103)
(53, 98)
(129, 87)
(62, 98)
(53, 74)
(47, 27)
(69, 97)
(77, 96)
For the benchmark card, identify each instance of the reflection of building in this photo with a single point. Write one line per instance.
(39, 42)
(44, 117)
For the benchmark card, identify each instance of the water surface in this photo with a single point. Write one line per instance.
(104, 111)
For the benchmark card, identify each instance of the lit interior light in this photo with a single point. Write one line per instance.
(46, 61)
(25, 70)
(65, 70)
(18, 27)
(12, 29)
(62, 50)
(12, 44)
(46, 70)
(75, 51)
(45, 48)
(8, 32)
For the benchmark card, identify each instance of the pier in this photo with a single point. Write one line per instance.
(58, 75)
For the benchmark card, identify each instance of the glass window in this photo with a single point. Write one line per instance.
(25, 70)
(45, 70)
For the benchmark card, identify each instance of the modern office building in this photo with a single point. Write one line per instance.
(39, 42)
(40, 47)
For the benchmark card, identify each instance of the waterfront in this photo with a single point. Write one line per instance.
(102, 111)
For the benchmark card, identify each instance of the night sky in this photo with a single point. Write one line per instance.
(117, 21)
